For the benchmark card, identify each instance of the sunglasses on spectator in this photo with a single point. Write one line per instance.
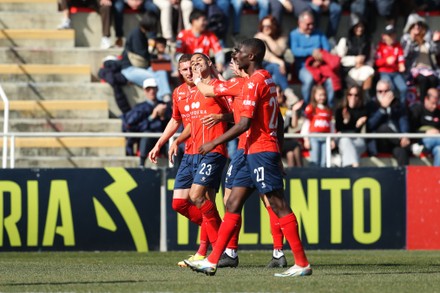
(382, 91)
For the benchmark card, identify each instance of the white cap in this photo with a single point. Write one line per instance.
(149, 82)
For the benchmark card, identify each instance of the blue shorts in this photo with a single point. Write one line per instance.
(208, 169)
(264, 169)
(185, 174)
(237, 162)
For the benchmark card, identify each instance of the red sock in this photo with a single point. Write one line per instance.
(227, 228)
(289, 226)
(233, 242)
(212, 219)
(187, 209)
(204, 241)
(275, 228)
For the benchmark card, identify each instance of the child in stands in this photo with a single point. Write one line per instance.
(320, 117)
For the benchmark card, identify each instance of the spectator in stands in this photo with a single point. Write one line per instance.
(198, 39)
(421, 49)
(237, 5)
(306, 41)
(103, 7)
(149, 116)
(368, 8)
(270, 32)
(140, 6)
(355, 50)
(183, 9)
(136, 58)
(291, 147)
(217, 15)
(324, 68)
(351, 117)
(425, 118)
(390, 62)
(318, 7)
(320, 117)
(386, 114)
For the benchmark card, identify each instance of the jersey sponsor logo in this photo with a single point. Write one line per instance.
(248, 103)
(195, 105)
(269, 81)
(186, 108)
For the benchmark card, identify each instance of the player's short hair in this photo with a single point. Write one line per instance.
(185, 58)
(257, 47)
(195, 14)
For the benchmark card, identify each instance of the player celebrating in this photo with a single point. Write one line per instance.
(209, 166)
(261, 169)
(234, 87)
(184, 178)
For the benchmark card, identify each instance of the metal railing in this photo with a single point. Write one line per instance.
(5, 126)
(328, 136)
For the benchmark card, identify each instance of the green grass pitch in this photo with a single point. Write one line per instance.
(333, 271)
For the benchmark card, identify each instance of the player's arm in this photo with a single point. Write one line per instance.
(232, 133)
(212, 119)
(186, 133)
(169, 131)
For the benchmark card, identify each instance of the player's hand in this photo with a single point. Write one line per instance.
(153, 154)
(211, 120)
(172, 152)
(196, 73)
(206, 148)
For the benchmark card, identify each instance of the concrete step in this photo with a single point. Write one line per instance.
(69, 146)
(79, 91)
(44, 38)
(29, 5)
(64, 125)
(91, 56)
(44, 72)
(88, 28)
(30, 20)
(58, 90)
(57, 109)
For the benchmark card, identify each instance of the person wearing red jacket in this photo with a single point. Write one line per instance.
(325, 66)
(390, 62)
(198, 39)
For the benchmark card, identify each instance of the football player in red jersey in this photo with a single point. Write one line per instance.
(234, 87)
(184, 178)
(261, 169)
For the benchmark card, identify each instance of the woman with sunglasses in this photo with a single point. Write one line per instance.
(351, 117)
(276, 44)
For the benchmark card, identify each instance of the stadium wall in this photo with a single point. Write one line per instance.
(130, 209)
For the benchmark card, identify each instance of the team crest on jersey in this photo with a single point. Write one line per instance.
(186, 108)
(251, 85)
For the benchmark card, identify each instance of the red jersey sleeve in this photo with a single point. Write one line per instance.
(215, 43)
